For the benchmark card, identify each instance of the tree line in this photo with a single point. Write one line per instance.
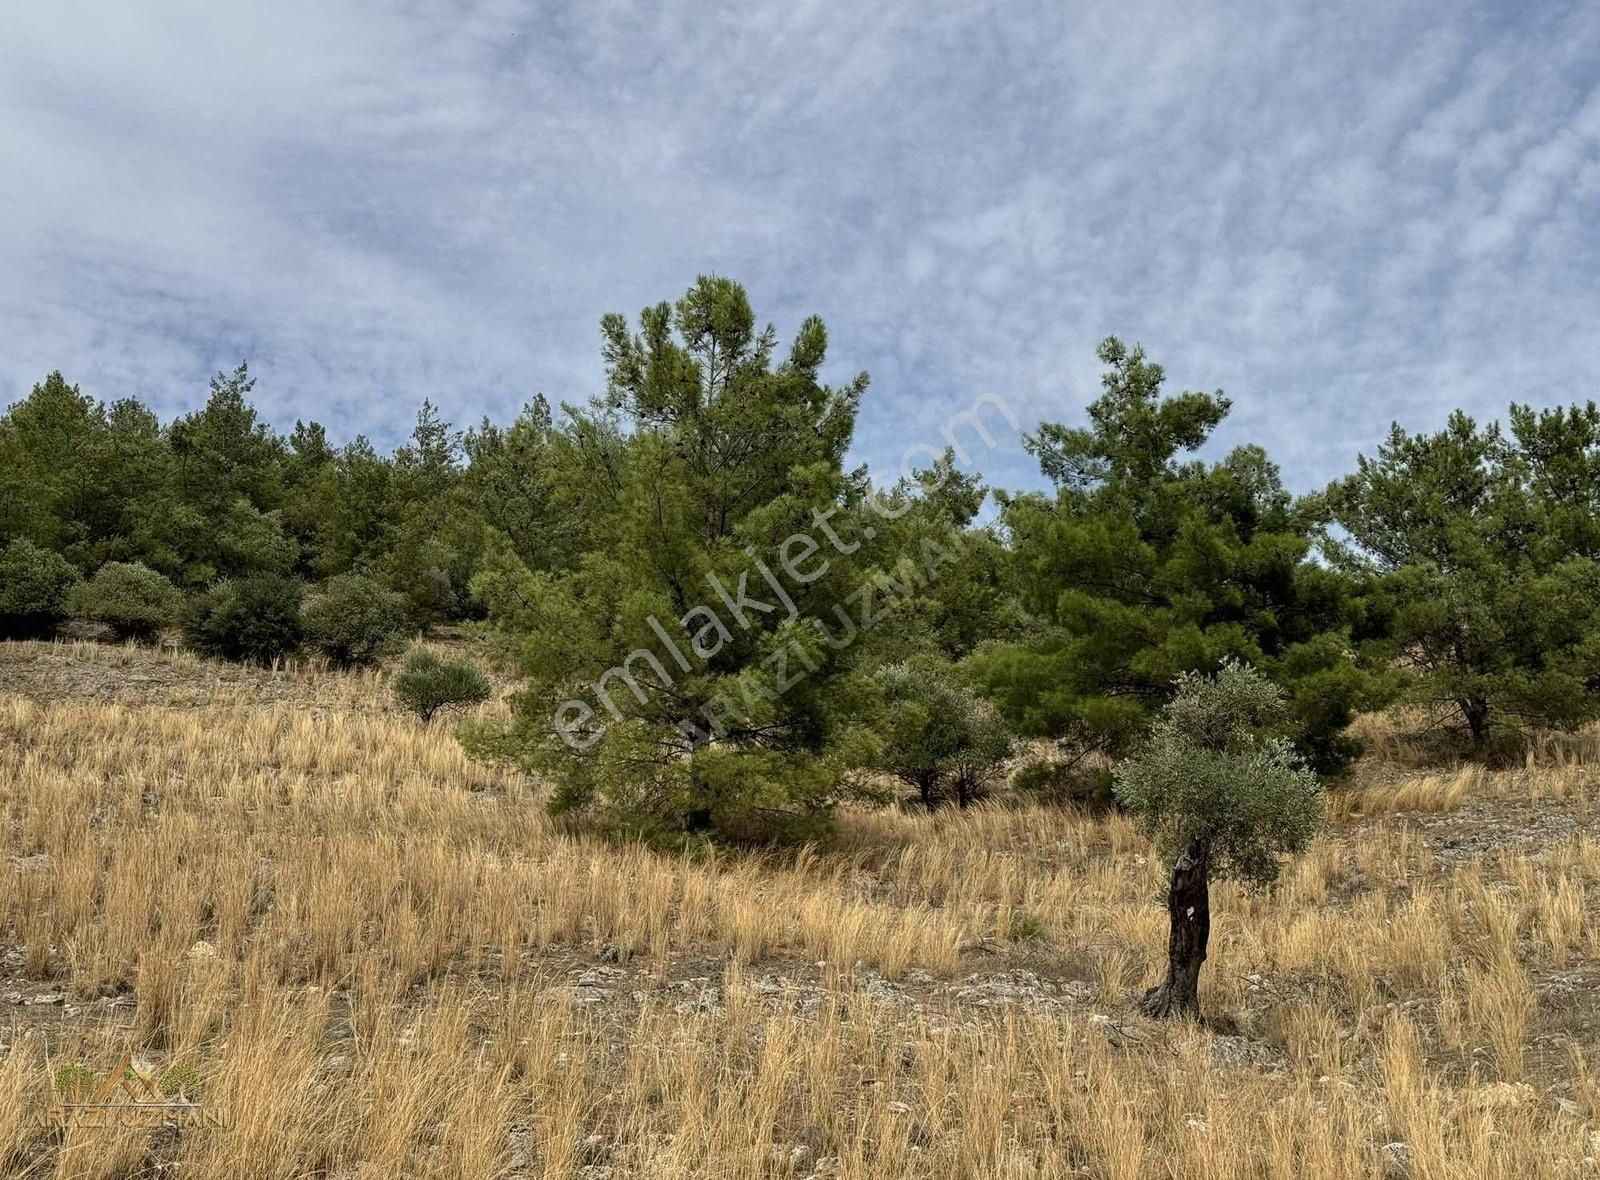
(676, 572)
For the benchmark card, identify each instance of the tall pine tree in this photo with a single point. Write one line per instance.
(1148, 563)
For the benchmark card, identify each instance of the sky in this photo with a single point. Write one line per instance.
(1340, 214)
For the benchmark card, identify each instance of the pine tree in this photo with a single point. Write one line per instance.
(1147, 564)
(1485, 546)
(692, 671)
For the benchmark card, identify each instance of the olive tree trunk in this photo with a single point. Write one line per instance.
(1189, 906)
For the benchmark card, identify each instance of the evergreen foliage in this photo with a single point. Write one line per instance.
(717, 625)
(128, 598)
(34, 585)
(254, 619)
(712, 458)
(1486, 550)
(426, 684)
(1146, 565)
(355, 620)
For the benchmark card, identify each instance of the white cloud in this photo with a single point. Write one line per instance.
(1340, 220)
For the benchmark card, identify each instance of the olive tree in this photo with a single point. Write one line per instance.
(938, 735)
(1220, 789)
(355, 621)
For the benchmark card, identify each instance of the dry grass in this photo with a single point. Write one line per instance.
(392, 935)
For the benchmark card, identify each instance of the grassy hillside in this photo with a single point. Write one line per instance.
(383, 960)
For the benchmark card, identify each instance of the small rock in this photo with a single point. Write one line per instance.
(707, 1003)
(1229, 1050)
(881, 989)
(201, 951)
(1397, 1155)
(50, 998)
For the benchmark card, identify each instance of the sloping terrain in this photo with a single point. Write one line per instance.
(383, 960)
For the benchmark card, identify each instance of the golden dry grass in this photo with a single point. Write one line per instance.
(369, 946)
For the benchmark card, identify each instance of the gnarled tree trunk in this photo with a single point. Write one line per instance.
(1189, 906)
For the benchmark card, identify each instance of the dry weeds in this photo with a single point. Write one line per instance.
(385, 962)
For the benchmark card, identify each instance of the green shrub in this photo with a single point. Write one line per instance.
(1064, 781)
(938, 735)
(427, 684)
(34, 585)
(355, 620)
(255, 619)
(129, 598)
(74, 1082)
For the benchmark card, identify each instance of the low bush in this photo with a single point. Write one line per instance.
(355, 621)
(130, 599)
(254, 619)
(938, 735)
(34, 585)
(427, 684)
(1068, 783)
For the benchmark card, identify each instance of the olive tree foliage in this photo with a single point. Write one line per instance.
(1486, 547)
(355, 620)
(1222, 792)
(938, 735)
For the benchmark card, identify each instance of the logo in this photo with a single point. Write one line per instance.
(129, 1096)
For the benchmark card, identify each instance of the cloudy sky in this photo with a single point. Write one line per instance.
(1341, 213)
